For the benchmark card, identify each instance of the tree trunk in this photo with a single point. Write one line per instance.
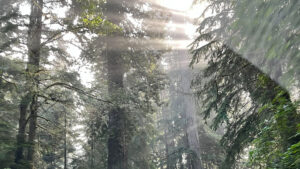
(167, 150)
(192, 133)
(92, 145)
(34, 45)
(191, 126)
(32, 130)
(167, 138)
(21, 137)
(118, 137)
(117, 141)
(65, 142)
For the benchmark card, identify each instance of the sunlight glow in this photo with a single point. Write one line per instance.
(188, 12)
(180, 5)
(186, 7)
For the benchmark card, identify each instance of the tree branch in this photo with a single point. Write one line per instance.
(70, 87)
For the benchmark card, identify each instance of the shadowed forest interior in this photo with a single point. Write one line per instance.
(149, 84)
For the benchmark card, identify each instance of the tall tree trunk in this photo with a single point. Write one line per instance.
(189, 111)
(189, 104)
(169, 142)
(34, 46)
(167, 139)
(30, 98)
(65, 142)
(167, 149)
(92, 145)
(117, 141)
(192, 132)
(191, 119)
(118, 138)
(32, 130)
(21, 137)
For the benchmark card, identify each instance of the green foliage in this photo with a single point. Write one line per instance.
(244, 98)
(264, 32)
(99, 25)
(274, 135)
(137, 100)
(91, 17)
(7, 144)
(292, 156)
(257, 110)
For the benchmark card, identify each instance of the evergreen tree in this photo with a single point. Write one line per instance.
(238, 93)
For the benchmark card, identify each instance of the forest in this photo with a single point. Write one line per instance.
(149, 84)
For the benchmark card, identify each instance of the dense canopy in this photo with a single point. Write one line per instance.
(149, 84)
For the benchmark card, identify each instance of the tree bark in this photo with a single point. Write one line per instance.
(118, 137)
(167, 150)
(32, 130)
(65, 142)
(117, 141)
(192, 133)
(185, 77)
(191, 121)
(189, 111)
(30, 98)
(21, 137)
(92, 145)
